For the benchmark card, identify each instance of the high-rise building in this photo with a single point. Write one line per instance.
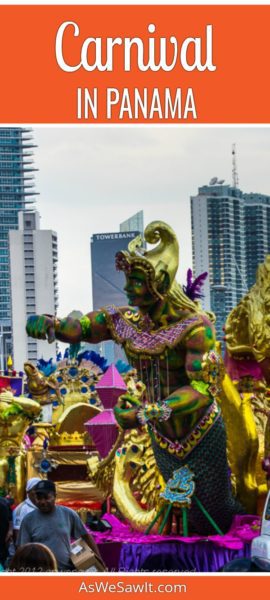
(134, 223)
(107, 282)
(230, 237)
(33, 269)
(257, 233)
(17, 191)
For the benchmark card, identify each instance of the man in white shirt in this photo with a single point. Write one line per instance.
(26, 506)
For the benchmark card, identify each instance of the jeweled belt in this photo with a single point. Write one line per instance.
(184, 447)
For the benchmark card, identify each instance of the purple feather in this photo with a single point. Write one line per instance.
(193, 289)
(189, 278)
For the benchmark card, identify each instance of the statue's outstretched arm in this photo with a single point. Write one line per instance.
(92, 328)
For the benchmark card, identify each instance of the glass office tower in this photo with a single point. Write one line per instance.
(230, 238)
(17, 192)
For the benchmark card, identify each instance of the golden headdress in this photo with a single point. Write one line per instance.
(159, 264)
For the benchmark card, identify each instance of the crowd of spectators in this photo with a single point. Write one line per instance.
(40, 532)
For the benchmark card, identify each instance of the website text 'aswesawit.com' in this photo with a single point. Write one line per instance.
(122, 587)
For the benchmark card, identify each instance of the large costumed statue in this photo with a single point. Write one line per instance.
(247, 336)
(176, 434)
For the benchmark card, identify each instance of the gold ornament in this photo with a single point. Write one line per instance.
(16, 415)
(247, 335)
(131, 475)
(247, 328)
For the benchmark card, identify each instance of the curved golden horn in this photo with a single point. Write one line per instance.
(158, 230)
(165, 256)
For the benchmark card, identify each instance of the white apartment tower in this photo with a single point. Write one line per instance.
(230, 237)
(33, 266)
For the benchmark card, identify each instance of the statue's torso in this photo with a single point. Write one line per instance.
(159, 357)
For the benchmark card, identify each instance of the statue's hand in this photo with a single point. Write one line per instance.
(41, 327)
(126, 411)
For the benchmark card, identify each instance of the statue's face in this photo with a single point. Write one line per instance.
(137, 291)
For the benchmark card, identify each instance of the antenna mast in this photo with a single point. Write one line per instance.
(235, 179)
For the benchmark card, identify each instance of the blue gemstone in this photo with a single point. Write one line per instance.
(45, 465)
(73, 372)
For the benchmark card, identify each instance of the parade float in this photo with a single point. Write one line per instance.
(52, 440)
(172, 445)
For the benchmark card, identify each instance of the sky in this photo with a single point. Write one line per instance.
(90, 179)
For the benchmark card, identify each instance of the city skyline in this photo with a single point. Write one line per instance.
(91, 179)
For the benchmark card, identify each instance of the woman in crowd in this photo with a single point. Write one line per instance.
(33, 558)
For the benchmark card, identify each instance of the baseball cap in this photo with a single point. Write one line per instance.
(45, 486)
(31, 483)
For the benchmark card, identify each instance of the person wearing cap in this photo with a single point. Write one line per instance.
(25, 507)
(54, 525)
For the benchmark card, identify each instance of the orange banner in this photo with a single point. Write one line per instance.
(140, 587)
(134, 64)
